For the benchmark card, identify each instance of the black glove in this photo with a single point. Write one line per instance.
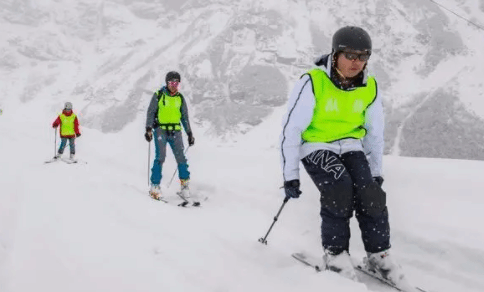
(78, 135)
(379, 180)
(148, 134)
(191, 139)
(292, 188)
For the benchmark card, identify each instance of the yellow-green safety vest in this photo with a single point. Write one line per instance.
(67, 125)
(338, 113)
(169, 111)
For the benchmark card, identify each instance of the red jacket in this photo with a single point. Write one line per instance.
(57, 123)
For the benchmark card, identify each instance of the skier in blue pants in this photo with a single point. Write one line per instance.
(156, 169)
(167, 113)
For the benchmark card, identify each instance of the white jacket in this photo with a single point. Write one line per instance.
(299, 115)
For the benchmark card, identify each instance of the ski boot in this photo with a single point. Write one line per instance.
(155, 192)
(185, 194)
(383, 264)
(340, 263)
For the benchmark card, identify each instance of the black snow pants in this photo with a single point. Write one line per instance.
(346, 185)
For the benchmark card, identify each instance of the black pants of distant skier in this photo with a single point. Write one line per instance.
(175, 139)
(346, 185)
(72, 145)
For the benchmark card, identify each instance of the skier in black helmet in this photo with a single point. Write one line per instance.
(167, 113)
(334, 125)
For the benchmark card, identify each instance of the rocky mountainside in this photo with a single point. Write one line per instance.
(239, 60)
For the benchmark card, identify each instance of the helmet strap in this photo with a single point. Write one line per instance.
(342, 78)
(340, 74)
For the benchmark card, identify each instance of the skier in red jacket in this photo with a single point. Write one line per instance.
(69, 130)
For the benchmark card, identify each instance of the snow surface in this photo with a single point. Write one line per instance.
(92, 227)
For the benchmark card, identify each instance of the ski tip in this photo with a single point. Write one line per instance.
(298, 255)
(183, 204)
(187, 204)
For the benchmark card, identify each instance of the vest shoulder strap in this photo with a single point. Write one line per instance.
(159, 94)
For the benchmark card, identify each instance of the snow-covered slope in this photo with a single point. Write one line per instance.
(92, 227)
(239, 59)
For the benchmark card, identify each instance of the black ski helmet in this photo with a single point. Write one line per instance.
(351, 37)
(172, 75)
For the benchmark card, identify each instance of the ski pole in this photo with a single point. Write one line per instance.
(55, 141)
(176, 169)
(263, 240)
(149, 161)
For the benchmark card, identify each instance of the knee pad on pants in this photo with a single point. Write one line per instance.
(337, 198)
(372, 200)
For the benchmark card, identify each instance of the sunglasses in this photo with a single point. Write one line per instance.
(353, 56)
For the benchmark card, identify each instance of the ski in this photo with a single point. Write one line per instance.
(362, 267)
(51, 160)
(185, 203)
(303, 259)
(161, 199)
(70, 161)
(174, 200)
(313, 263)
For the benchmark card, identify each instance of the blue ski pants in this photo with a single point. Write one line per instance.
(175, 140)
(72, 145)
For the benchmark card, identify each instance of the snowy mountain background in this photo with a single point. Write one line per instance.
(239, 60)
(92, 227)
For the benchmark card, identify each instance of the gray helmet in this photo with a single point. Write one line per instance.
(351, 37)
(68, 106)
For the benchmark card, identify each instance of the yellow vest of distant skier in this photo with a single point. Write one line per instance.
(338, 113)
(169, 113)
(67, 125)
